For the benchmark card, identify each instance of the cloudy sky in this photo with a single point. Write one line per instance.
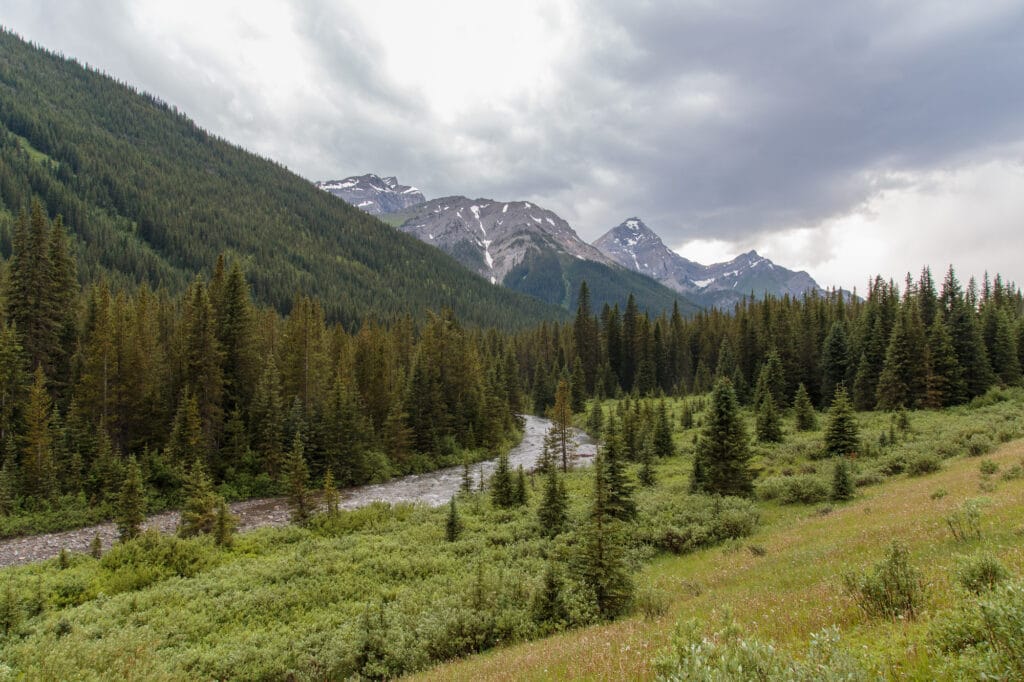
(843, 138)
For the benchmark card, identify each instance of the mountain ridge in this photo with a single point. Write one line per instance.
(632, 244)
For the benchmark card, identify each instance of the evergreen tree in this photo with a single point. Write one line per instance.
(771, 380)
(842, 481)
(202, 360)
(131, 508)
(96, 547)
(646, 475)
(966, 336)
(453, 525)
(1003, 352)
(619, 502)
(769, 423)
(602, 566)
(835, 359)
(267, 418)
(466, 486)
(553, 509)
(806, 420)
(503, 493)
(841, 433)
(38, 471)
(587, 342)
(903, 378)
(296, 481)
(224, 525)
(187, 442)
(577, 387)
(547, 607)
(663, 446)
(721, 461)
(595, 419)
(9, 484)
(519, 492)
(12, 378)
(331, 499)
(235, 327)
(199, 512)
(561, 425)
(686, 418)
(944, 378)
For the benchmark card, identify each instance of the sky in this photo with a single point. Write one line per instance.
(843, 138)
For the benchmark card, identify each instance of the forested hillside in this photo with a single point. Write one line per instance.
(147, 196)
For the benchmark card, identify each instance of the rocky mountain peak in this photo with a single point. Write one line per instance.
(374, 194)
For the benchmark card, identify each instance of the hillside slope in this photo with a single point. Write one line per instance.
(150, 196)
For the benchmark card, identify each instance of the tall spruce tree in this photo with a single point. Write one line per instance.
(502, 485)
(199, 513)
(768, 421)
(619, 503)
(553, 509)
(601, 563)
(944, 378)
(721, 461)
(131, 507)
(38, 469)
(841, 434)
(662, 443)
(453, 525)
(835, 360)
(296, 482)
(806, 420)
(561, 425)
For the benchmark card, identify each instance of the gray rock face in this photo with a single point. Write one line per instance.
(492, 237)
(374, 194)
(634, 245)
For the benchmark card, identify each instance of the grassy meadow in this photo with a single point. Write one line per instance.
(379, 592)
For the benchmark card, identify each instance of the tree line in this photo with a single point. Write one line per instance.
(92, 377)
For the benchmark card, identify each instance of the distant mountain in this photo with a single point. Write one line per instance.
(148, 196)
(374, 194)
(529, 249)
(634, 245)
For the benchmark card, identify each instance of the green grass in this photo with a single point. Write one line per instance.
(379, 591)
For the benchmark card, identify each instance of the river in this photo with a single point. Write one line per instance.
(434, 488)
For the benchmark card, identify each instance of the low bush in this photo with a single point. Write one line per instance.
(797, 489)
(965, 521)
(681, 524)
(921, 463)
(893, 589)
(980, 573)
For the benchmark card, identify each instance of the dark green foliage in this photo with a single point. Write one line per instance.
(199, 512)
(835, 360)
(893, 589)
(662, 445)
(96, 547)
(681, 523)
(981, 573)
(331, 498)
(842, 482)
(841, 434)
(131, 508)
(721, 459)
(944, 378)
(646, 476)
(452, 525)
(601, 562)
(903, 380)
(769, 422)
(618, 493)
(548, 608)
(552, 512)
(806, 419)
(503, 494)
(296, 481)
(519, 489)
(224, 525)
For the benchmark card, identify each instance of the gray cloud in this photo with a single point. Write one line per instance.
(707, 119)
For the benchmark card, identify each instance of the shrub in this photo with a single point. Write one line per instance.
(921, 463)
(978, 444)
(981, 573)
(893, 589)
(1013, 473)
(990, 630)
(987, 467)
(684, 523)
(965, 521)
(652, 602)
(798, 489)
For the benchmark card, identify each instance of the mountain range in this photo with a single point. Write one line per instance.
(531, 249)
(634, 245)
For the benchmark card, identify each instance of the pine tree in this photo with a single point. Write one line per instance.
(466, 486)
(331, 499)
(203, 360)
(841, 433)
(903, 378)
(646, 475)
(296, 481)
(224, 525)
(835, 360)
(267, 418)
(553, 509)
(187, 442)
(944, 382)
(577, 387)
(96, 547)
(619, 502)
(453, 525)
(9, 484)
(502, 486)
(663, 446)
(595, 419)
(38, 470)
(686, 418)
(601, 563)
(12, 378)
(1003, 353)
(806, 420)
(547, 607)
(199, 512)
(721, 461)
(771, 380)
(769, 423)
(131, 508)
(519, 491)
(842, 481)
(561, 424)
(587, 342)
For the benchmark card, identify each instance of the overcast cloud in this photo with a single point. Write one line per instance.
(843, 138)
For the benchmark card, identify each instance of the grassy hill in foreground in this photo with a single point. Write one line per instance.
(150, 196)
(784, 584)
(378, 591)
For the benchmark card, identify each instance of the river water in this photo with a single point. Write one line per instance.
(434, 488)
